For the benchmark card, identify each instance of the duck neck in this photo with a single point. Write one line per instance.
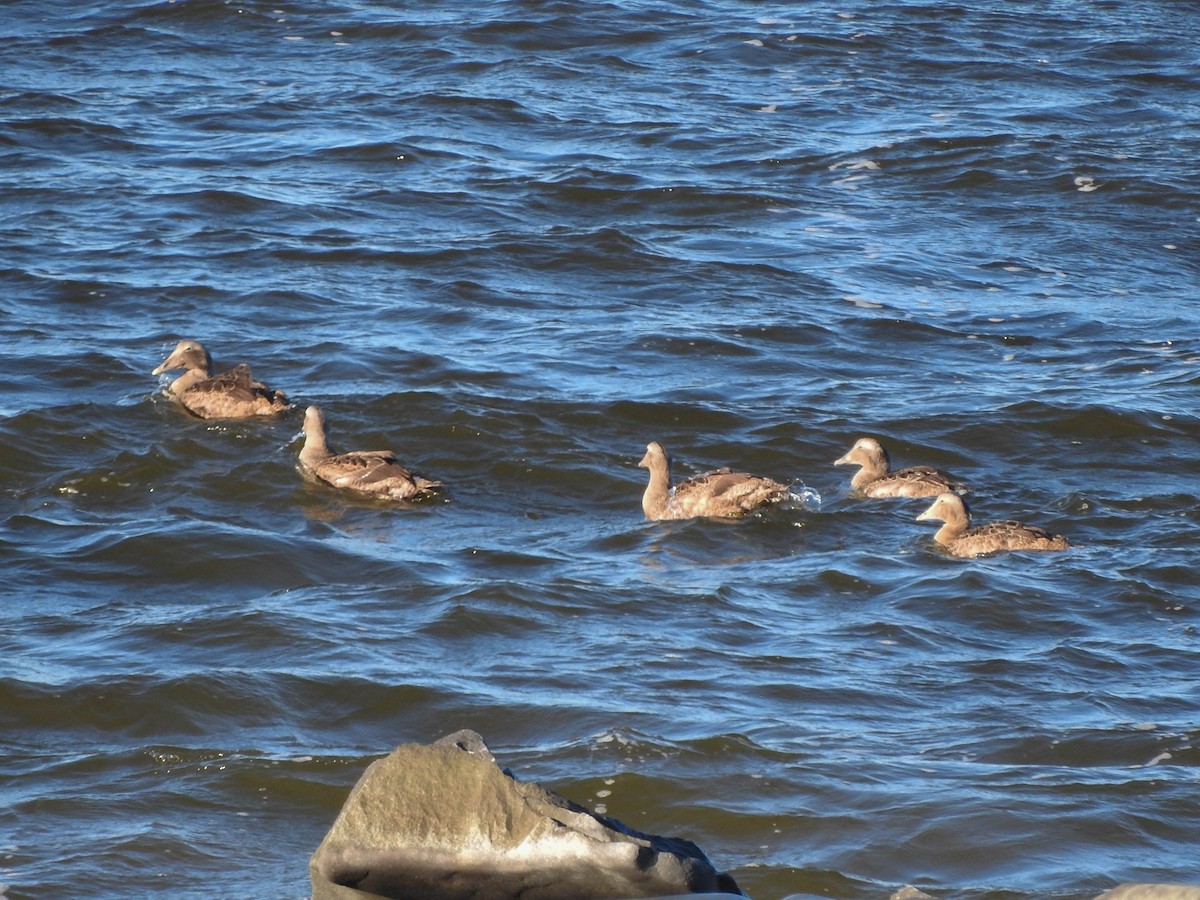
(865, 476)
(315, 449)
(952, 529)
(188, 380)
(874, 467)
(658, 491)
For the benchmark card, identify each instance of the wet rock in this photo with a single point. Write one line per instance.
(1152, 892)
(444, 822)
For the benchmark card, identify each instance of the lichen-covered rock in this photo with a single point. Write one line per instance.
(444, 822)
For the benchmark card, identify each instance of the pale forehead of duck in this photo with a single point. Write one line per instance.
(869, 448)
(950, 500)
(188, 346)
(656, 455)
(655, 450)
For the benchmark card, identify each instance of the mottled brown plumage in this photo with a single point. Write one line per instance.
(719, 494)
(957, 536)
(374, 472)
(875, 478)
(231, 395)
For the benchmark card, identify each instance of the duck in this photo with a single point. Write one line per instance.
(875, 478)
(231, 395)
(719, 494)
(376, 473)
(958, 538)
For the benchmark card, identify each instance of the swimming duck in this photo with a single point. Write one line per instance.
(957, 536)
(722, 494)
(875, 478)
(231, 395)
(374, 472)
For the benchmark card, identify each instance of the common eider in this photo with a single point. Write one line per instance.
(231, 395)
(720, 494)
(957, 536)
(876, 479)
(373, 472)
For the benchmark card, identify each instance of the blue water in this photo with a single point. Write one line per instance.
(514, 244)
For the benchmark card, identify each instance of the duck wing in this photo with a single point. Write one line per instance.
(1032, 537)
(996, 536)
(233, 394)
(914, 481)
(361, 467)
(374, 472)
(724, 492)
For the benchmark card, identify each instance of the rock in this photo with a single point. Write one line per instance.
(1152, 892)
(908, 892)
(444, 822)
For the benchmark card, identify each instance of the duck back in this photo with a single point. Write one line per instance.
(999, 536)
(724, 494)
(233, 395)
(375, 472)
(915, 481)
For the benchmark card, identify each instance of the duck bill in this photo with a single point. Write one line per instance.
(843, 460)
(645, 463)
(171, 362)
(928, 515)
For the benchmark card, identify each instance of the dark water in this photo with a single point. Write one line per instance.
(515, 242)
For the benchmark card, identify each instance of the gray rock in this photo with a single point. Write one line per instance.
(1152, 892)
(443, 822)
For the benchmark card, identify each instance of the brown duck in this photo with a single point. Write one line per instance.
(719, 494)
(231, 395)
(875, 478)
(957, 536)
(373, 472)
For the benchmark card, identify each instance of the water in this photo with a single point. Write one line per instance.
(514, 244)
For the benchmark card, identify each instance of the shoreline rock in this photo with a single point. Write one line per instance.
(442, 821)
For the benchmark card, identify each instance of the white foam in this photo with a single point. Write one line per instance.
(862, 302)
(805, 496)
(855, 164)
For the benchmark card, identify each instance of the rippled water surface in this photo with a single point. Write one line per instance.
(515, 243)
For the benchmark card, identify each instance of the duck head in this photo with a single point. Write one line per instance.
(947, 507)
(656, 457)
(866, 452)
(186, 355)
